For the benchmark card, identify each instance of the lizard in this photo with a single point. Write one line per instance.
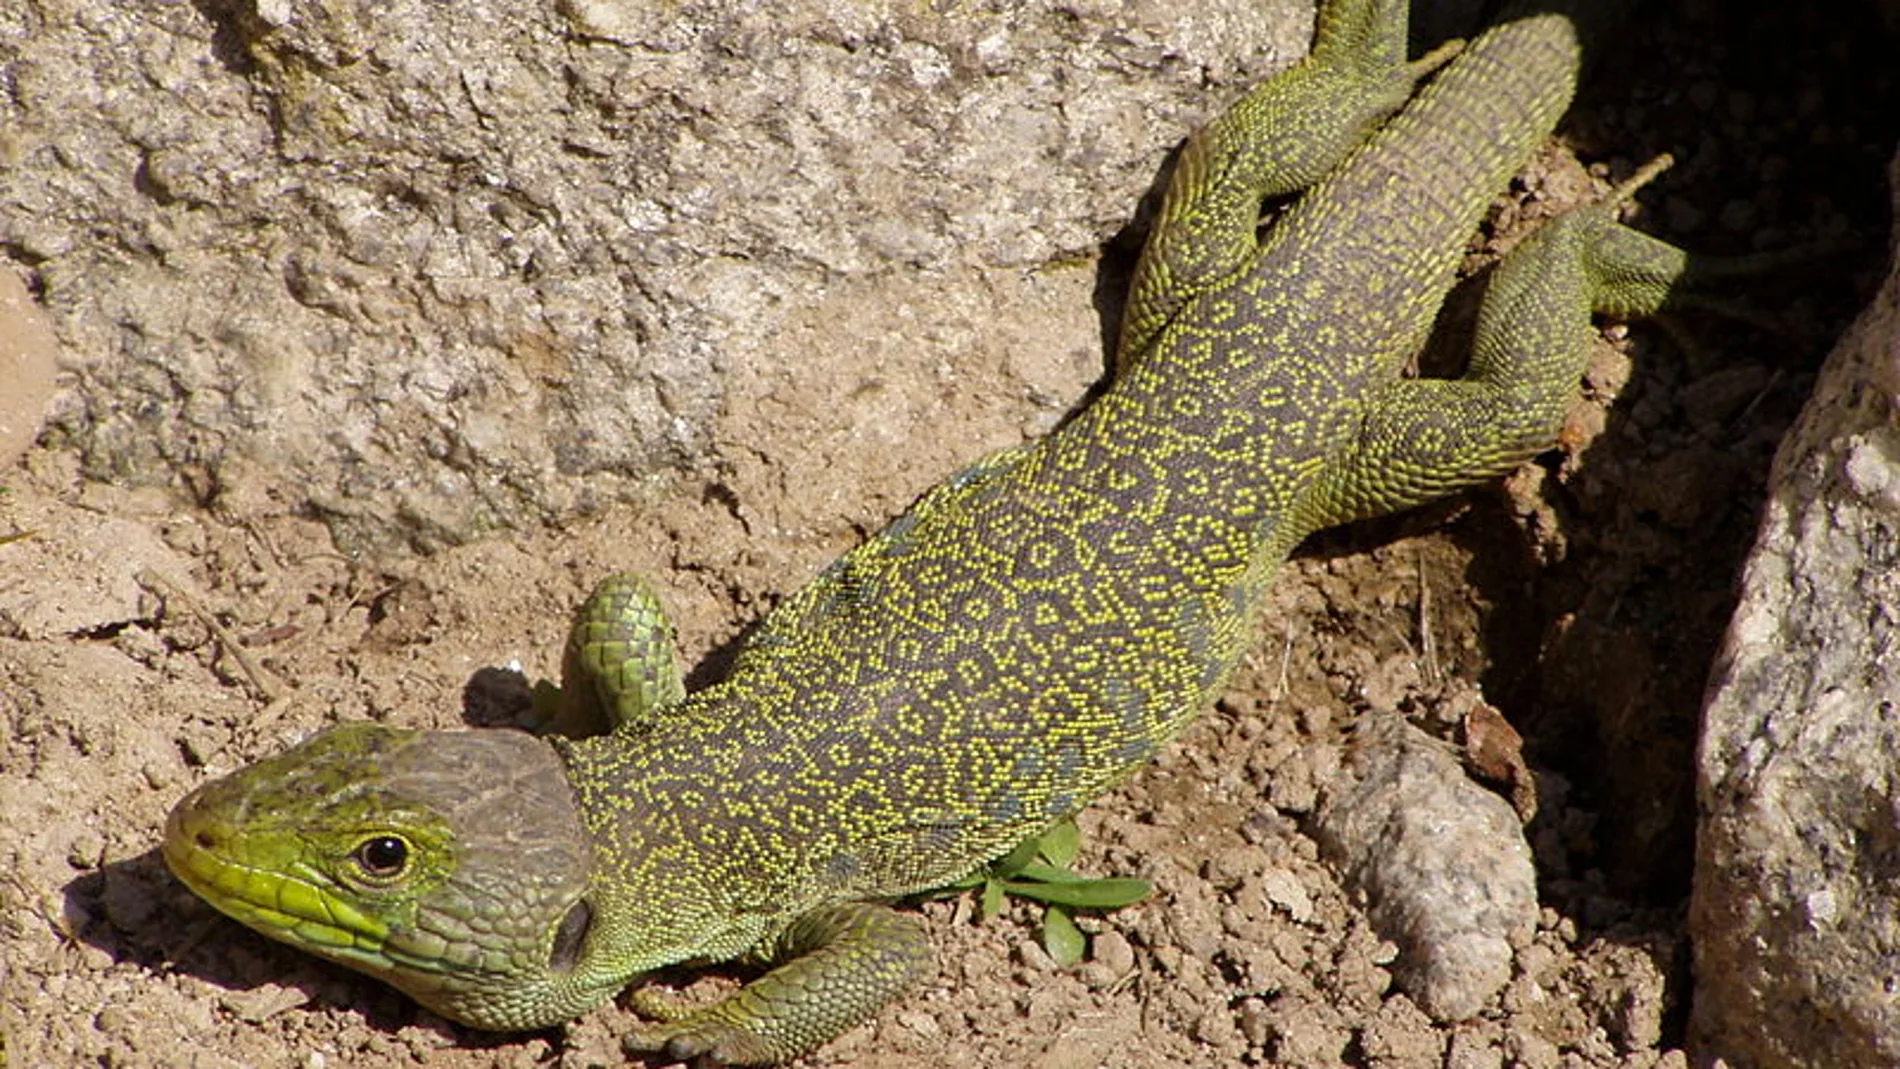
(1026, 635)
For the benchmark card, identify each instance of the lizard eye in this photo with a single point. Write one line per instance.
(383, 857)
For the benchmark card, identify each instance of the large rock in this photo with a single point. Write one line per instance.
(1796, 912)
(429, 271)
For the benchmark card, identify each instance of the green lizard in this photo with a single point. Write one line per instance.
(1026, 635)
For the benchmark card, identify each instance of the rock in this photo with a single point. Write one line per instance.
(1443, 864)
(430, 278)
(28, 366)
(1796, 913)
(83, 573)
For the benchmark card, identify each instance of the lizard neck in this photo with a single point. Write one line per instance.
(661, 895)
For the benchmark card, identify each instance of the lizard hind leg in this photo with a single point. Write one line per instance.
(1421, 439)
(1640, 276)
(1628, 273)
(1280, 137)
(1534, 320)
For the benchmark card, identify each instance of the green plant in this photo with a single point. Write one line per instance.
(1038, 870)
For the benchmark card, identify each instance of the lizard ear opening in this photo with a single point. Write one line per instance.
(571, 937)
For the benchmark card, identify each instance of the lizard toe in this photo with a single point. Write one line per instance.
(701, 1043)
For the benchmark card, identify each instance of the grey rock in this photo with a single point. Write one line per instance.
(430, 276)
(1796, 910)
(1442, 862)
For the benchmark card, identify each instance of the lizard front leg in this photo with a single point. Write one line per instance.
(618, 671)
(840, 964)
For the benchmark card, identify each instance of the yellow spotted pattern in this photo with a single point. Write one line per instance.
(1041, 623)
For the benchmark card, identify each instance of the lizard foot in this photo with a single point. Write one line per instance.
(701, 1036)
(701, 1043)
(836, 966)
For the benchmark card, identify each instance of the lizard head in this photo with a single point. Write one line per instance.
(452, 864)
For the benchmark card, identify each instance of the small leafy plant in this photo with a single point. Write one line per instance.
(1038, 870)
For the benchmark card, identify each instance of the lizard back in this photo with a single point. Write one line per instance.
(1039, 625)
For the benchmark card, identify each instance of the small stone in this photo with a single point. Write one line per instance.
(1216, 1027)
(1442, 862)
(921, 1023)
(158, 775)
(1288, 894)
(1528, 1050)
(86, 849)
(1114, 952)
(1473, 1052)
(1255, 1025)
(1030, 953)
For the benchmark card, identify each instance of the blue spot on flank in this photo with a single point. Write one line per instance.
(1128, 703)
(1059, 806)
(1027, 768)
(1069, 757)
(841, 868)
(1134, 750)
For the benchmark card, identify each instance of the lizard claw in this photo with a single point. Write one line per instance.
(701, 1042)
(702, 1036)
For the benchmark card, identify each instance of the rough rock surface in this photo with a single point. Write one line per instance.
(437, 276)
(1796, 912)
(29, 367)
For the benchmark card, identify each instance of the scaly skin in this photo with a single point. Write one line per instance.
(1027, 634)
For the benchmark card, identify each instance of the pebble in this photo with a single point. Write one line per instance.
(1115, 953)
(921, 1023)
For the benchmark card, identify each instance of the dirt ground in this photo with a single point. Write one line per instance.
(147, 644)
